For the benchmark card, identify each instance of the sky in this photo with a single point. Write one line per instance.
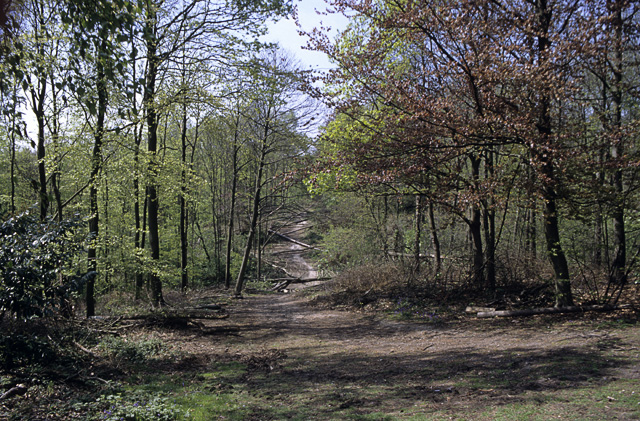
(285, 32)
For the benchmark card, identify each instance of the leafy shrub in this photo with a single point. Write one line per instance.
(34, 261)
(140, 407)
(134, 351)
(348, 247)
(380, 277)
(406, 308)
(19, 350)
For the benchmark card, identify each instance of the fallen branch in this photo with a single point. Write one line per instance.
(548, 310)
(18, 389)
(282, 285)
(300, 243)
(295, 280)
(85, 350)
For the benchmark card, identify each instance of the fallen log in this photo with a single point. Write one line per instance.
(19, 389)
(281, 285)
(548, 310)
(293, 240)
(474, 309)
(295, 280)
(285, 282)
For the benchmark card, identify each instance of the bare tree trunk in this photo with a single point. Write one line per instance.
(152, 148)
(475, 230)
(96, 164)
(254, 215)
(555, 252)
(14, 100)
(418, 229)
(435, 239)
(183, 204)
(232, 210)
(618, 270)
(39, 99)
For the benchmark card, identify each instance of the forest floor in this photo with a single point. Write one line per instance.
(273, 356)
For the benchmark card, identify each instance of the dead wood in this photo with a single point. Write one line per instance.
(285, 282)
(547, 310)
(475, 309)
(18, 389)
(300, 243)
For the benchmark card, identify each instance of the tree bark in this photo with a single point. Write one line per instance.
(152, 148)
(418, 229)
(254, 214)
(618, 269)
(96, 163)
(490, 228)
(232, 209)
(435, 240)
(555, 252)
(183, 204)
(475, 230)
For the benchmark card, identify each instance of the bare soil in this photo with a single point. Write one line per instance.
(304, 362)
(347, 364)
(369, 363)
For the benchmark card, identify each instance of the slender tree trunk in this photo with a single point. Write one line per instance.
(254, 214)
(96, 163)
(55, 137)
(475, 230)
(435, 239)
(14, 101)
(259, 251)
(232, 210)
(39, 99)
(618, 270)
(600, 180)
(418, 229)
(490, 228)
(555, 252)
(183, 204)
(152, 148)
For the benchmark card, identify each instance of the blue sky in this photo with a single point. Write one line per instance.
(286, 34)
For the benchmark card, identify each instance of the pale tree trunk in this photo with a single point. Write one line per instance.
(418, 229)
(38, 93)
(435, 240)
(38, 98)
(490, 228)
(618, 270)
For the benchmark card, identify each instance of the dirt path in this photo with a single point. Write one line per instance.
(340, 364)
(359, 364)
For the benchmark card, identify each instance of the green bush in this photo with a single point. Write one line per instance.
(134, 351)
(19, 350)
(139, 407)
(348, 247)
(35, 258)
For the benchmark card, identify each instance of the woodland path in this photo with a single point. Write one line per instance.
(341, 364)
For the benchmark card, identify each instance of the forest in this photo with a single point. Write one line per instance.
(458, 154)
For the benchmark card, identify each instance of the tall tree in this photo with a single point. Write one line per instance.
(277, 109)
(168, 27)
(432, 82)
(100, 28)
